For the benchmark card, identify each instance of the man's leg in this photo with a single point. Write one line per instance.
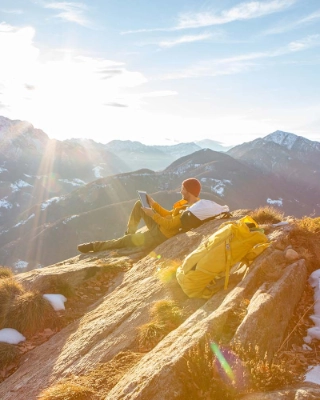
(146, 239)
(135, 217)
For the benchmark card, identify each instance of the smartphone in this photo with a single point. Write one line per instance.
(143, 198)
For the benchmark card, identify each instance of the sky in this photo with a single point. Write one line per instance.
(162, 72)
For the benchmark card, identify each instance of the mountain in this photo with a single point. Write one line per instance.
(50, 231)
(212, 144)
(34, 168)
(57, 194)
(292, 158)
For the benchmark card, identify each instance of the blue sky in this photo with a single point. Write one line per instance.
(162, 72)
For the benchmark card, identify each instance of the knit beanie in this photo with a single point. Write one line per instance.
(193, 186)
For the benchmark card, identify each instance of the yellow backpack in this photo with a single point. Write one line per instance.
(230, 244)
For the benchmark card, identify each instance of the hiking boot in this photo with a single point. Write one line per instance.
(85, 247)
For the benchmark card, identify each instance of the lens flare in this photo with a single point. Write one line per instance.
(230, 367)
(223, 362)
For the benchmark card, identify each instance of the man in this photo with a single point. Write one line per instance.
(162, 224)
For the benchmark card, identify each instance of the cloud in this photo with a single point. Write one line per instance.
(243, 62)
(184, 39)
(71, 12)
(37, 86)
(114, 104)
(243, 11)
(304, 44)
(11, 11)
(293, 25)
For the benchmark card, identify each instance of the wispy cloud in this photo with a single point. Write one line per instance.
(243, 62)
(185, 39)
(243, 11)
(293, 25)
(304, 44)
(71, 12)
(11, 11)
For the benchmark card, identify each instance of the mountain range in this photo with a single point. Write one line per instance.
(57, 194)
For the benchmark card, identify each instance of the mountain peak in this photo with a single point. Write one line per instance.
(285, 139)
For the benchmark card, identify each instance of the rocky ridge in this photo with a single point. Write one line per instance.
(265, 300)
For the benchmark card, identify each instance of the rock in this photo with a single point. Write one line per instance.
(271, 290)
(291, 255)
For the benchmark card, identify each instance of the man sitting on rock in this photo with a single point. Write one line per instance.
(162, 224)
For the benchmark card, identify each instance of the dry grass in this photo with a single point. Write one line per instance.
(304, 237)
(166, 316)
(308, 224)
(67, 391)
(8, 354)
(267, 215)
(265, 375)
(9, 288)
(5, 272)
(55, 284)
(166, 312)
(200, 376)
(168, 275)
(149, 335)
(220, 372)
(30, 313)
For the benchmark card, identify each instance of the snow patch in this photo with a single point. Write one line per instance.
(3, 170)
(219, 186)
(96, 171)
(313, 375)
(18, 185)
(314, 332)
(21, 264)
(74, 182)
(5, 204)
(70, 218)
(56, 300)
(11, 336)
(23, 222)
(275, 202)
(47, 203)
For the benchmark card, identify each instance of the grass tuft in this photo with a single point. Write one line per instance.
(166, 312)
(56, 284)
(216, 371)
(308, 224)
(9, 288)
(5, 272)
(67, 391)
(8, 354)
(267, 215)
(30, 313)
(166, 316)
(150, 335)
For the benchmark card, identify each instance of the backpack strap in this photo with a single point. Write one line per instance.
(228, 262)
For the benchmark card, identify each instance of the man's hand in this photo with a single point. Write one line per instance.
(148, 211)
(150, 200)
